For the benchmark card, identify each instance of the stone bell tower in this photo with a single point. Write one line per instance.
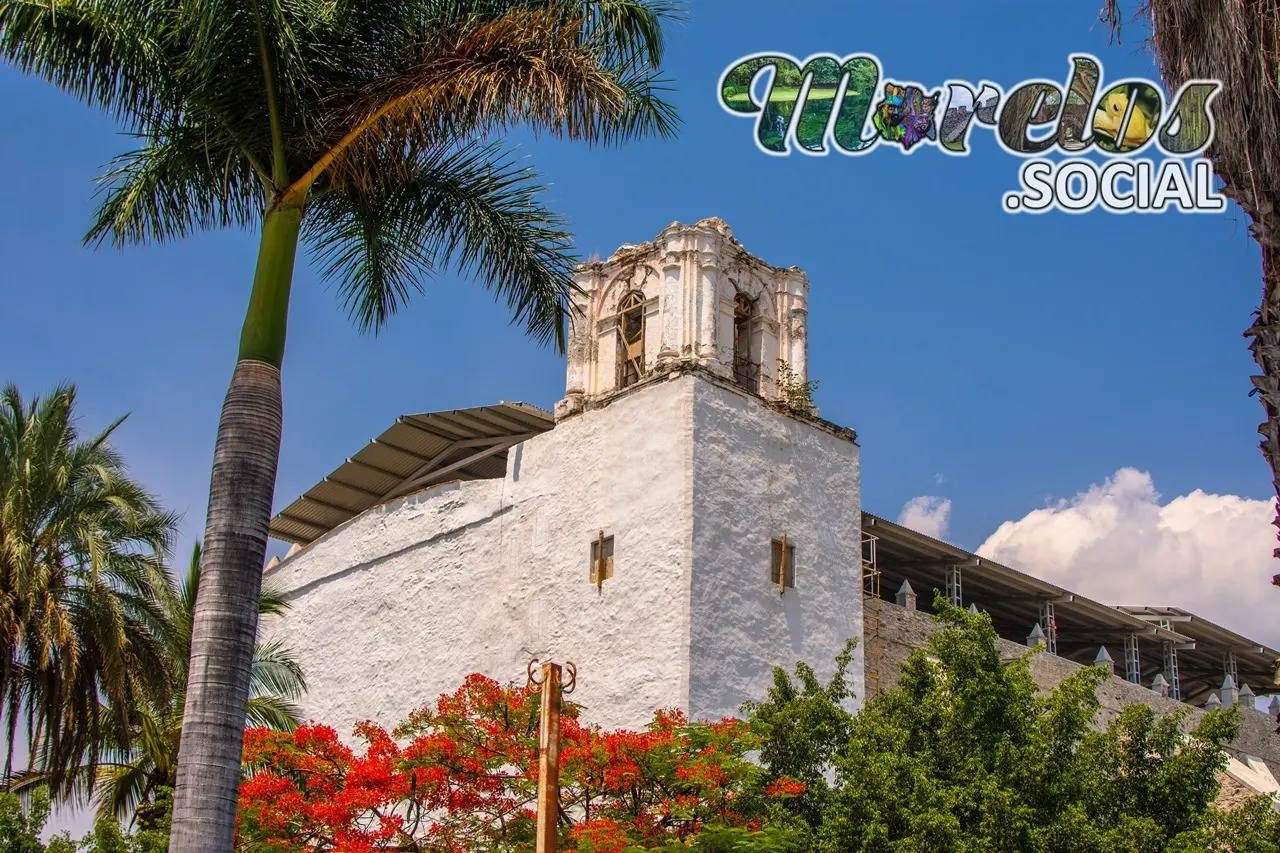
(691, 297)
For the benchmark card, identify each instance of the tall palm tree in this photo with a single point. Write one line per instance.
(1238, 43)
(82, 628)
(352, 125)
(134, 768)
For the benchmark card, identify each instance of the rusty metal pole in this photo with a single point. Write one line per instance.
(549, 759)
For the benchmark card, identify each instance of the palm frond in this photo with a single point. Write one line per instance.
(103, 52)
(175, 184)
(273, 712)
(557, 67)
(275, 672)
(472, 207)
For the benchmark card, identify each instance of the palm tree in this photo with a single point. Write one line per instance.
(353, 125)
(135, 768)
(1239, 44)
(81, 586)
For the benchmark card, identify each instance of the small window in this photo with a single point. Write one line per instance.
(601, 559)
(782, 571)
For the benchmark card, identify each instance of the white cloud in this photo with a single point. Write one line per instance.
(939, 479)
(926, 514)
(1117, 543)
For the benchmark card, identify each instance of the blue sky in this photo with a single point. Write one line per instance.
(996, 360)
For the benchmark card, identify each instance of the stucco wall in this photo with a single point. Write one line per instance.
(401, 603)
(902, 631)
(757, 474)
(692, 479)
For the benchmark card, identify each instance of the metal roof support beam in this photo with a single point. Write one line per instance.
(432, 465)
(501, 446)
(1132, 659)
(344, 484)
(304, 522)
(1231, 667)
(1171, 670)
(343, 509)
(954, 592)
(351, 460)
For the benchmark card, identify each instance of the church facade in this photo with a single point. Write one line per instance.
(684, 523)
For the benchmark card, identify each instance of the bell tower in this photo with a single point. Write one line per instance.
(691, 298)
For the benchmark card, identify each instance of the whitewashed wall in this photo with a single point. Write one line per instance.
(691, 479)
(403, 602)
(756, 475)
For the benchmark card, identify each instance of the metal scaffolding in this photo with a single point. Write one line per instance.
(871, 652)
(1049, 625)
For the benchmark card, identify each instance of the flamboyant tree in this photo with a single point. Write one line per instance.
(462, 776)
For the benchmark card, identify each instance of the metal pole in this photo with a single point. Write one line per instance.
(549, 759)
(549, 748)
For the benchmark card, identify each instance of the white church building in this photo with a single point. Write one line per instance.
(683, 523)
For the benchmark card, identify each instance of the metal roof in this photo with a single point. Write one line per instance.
(416, 453)
(1013, 599)
(1203, 665)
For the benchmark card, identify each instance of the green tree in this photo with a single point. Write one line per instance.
(802, 725)
(82, 585)
(965, 755)
(20, 830)
(352, 126)
(136, 774)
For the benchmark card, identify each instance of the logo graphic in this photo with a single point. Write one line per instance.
(825, 102)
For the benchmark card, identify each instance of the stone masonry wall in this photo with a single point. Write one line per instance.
(903, 631)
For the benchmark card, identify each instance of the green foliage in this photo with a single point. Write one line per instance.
(20, 831)
(82, 586)
(965, 755)
(802, 725)
(797, 396)
(771, 839)
(135, 767)
(1252, 827)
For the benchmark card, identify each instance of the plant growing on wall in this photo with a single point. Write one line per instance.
(797, 394)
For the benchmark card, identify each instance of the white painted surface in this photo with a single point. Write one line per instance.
(691, 478)
(758, 474)
(401, 604)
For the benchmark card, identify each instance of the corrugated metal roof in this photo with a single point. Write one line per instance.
(1013, 598)
(416, 452)
(1256, 662)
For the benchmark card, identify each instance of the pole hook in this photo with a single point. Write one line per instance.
(572, 682)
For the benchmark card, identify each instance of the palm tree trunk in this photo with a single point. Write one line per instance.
(1266, 352)
(225, 624)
